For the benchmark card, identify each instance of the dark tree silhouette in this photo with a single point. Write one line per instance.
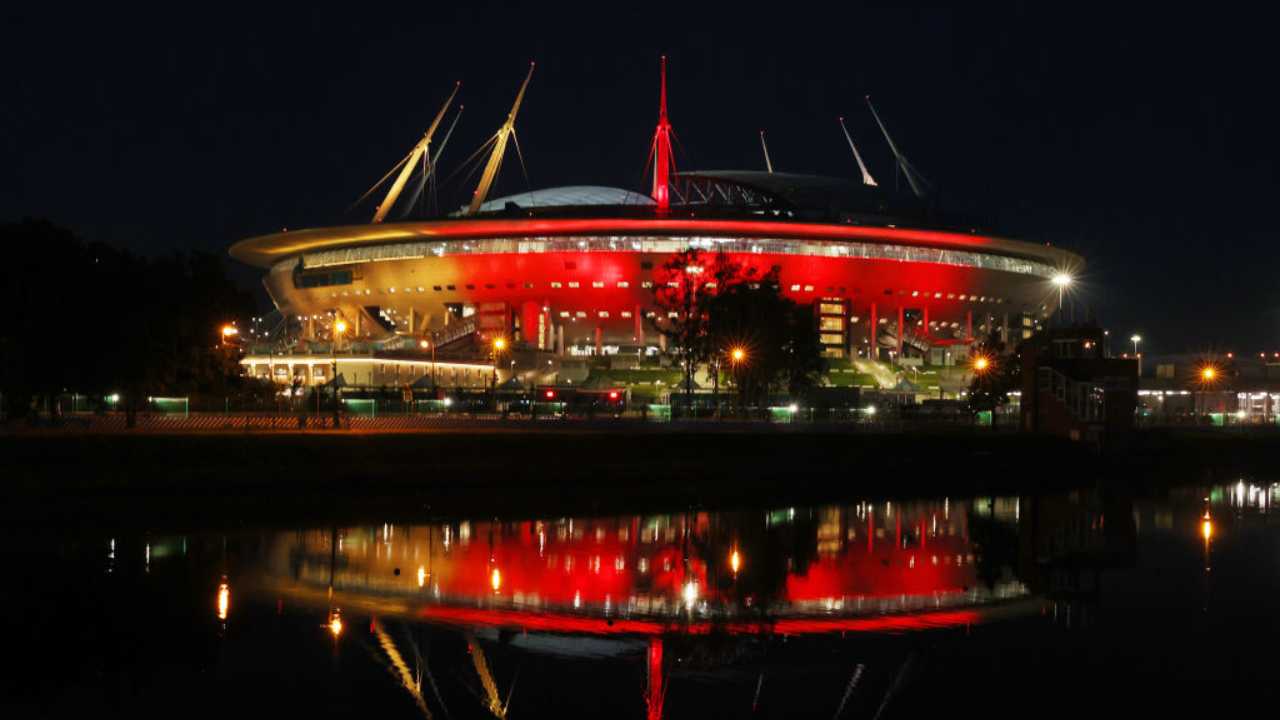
(94, 320)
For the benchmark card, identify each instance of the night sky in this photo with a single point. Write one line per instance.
(1143, 139)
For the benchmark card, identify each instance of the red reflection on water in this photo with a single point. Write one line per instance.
(561, 622)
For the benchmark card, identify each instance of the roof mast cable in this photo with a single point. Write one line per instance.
(411, 162)
(767, 162)
(866, 175)
(429, 163)
(499, 149)
(914, 179)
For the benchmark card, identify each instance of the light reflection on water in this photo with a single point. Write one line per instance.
(786, 611)
(806, 569)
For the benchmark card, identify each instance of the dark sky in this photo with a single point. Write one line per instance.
(1144, 139)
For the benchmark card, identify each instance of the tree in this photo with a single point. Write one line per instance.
(120, 322)
(708, 309)
(684, 287)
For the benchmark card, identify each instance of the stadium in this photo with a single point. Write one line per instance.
(571, 271)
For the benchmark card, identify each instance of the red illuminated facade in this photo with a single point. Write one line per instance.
(585, 284)
(572, 270)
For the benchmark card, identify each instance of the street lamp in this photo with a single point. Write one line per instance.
(339, 327)
(499, 344)
(1062, 281)
(1208, 374)
(1135, 340)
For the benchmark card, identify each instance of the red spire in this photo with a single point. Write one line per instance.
(663, 163)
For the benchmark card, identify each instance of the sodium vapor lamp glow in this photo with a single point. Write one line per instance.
(224, 599)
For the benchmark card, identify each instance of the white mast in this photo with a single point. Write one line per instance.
(912, 179)
(767, 162)
(411, 162)
(499, 148)
(866, 176)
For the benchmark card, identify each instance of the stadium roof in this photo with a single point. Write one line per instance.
(568, 196)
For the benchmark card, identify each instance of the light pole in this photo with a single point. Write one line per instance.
(339, 327)
(1135, 340)
(1208, 374)
(738, 356)
(499, 344)
(1062, 281)
(981, 366)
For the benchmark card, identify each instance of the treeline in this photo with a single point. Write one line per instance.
(95, 320)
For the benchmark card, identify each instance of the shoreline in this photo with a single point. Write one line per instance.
(200, 478)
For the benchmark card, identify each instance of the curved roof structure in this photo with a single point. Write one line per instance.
(569, 196)
(266, 250)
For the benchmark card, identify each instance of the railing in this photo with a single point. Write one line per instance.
(457, 330)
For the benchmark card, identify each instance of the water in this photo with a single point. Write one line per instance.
(1089, 602)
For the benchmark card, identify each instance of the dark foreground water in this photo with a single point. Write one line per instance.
(1085, 604)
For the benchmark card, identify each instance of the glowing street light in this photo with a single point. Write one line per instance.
(735, 561)
(495, 580)
(1061, 281)
(1135, 339)
(981, 363)
(339, 327)
(224, 599)
(1208, 373)
(335, 623)
(499, 344)
(230, 331)
(737, 355)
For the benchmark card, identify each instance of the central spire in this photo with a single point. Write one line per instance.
(663, 163)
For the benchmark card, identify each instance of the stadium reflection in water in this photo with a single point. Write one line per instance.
(788, 571)
(831, 611)
(634, 585)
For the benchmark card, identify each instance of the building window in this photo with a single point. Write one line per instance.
(564, 313)
(582, 313)
(470, 286)
(604, 313)
(597, 283)
(528, 286)
(556, 285)
(831, 308)
(795, 288)
(830, 323)
(322, 279)
(626, 313)
(574, 283)
(646, 284)
(624, 284)
(451, 288)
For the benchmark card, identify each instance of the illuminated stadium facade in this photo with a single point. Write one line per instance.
(571, 271)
